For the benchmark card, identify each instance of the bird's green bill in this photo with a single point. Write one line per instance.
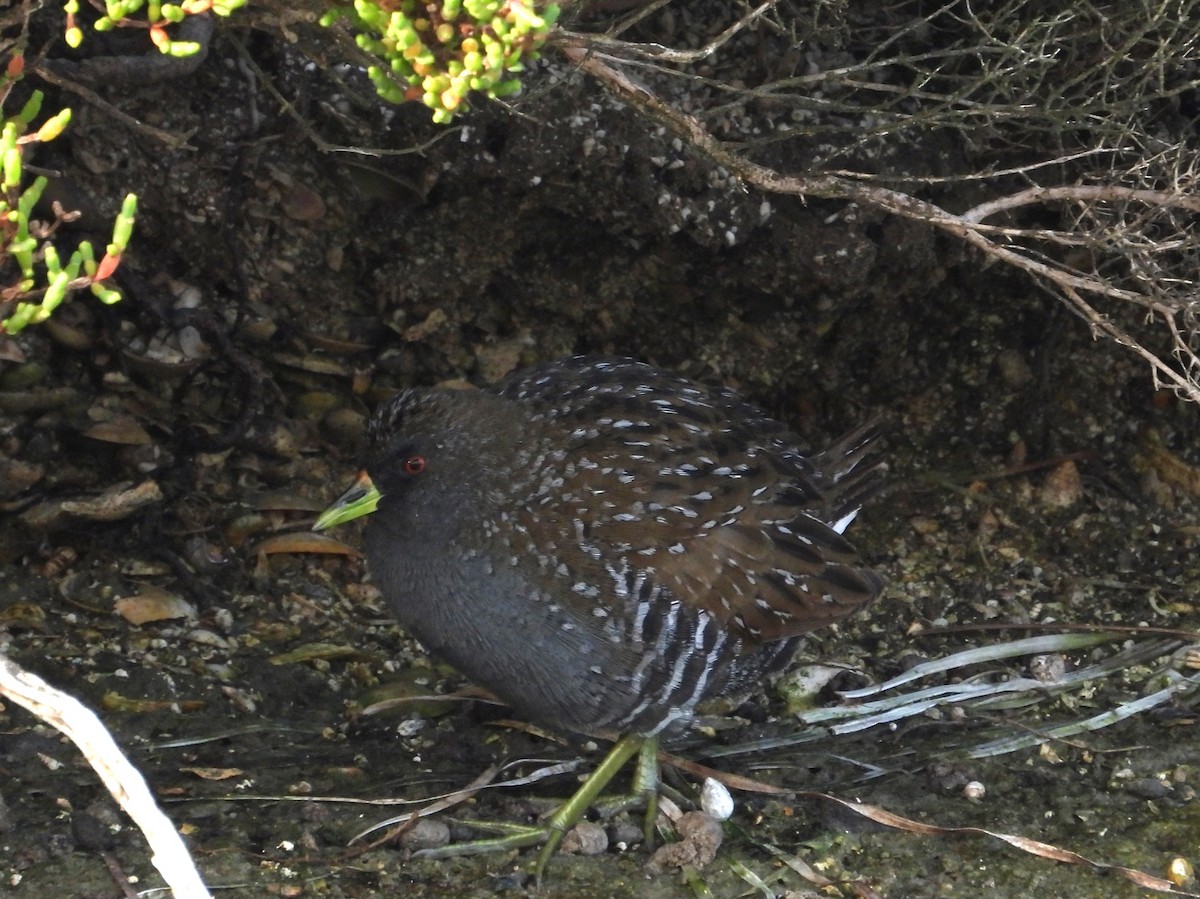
(361, 499)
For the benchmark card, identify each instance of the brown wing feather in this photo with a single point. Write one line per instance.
(705, 496)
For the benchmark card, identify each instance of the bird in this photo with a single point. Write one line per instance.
(605, 545)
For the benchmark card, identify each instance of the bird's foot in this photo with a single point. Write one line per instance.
(549, 834)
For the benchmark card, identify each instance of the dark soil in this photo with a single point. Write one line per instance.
(279, 287)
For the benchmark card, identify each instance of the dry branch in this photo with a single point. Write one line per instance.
(69, 716)
(1128, 230)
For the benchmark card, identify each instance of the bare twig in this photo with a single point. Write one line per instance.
(169, 139)
(998, 242)
(667, 54)
(1080, 193)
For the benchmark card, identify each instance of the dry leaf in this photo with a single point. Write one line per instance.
(305, 542)
(214, 773)
(123, 429)
(115, 702)
(310, 651)
(153, 604)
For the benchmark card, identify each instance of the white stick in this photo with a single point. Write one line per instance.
(124, 782)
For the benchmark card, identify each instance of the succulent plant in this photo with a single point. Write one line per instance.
(438, 52)
(34, 278)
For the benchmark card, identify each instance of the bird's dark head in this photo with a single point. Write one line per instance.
(433, 458)
(424, 442)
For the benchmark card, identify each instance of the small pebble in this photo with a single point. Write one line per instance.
(974, 791)
(1149, 788)
(1049, 668)
(585, 838)
(426, 833)
(700, 837)
(1181, 872)
(511, 882)
(949, 778)
(715, 799)
(1014, 369)
(1063, 487)
(90, 834)
(346, 425)
(624, 834)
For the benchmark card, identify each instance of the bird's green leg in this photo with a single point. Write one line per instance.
(550, 834)
(645, 784)
(573, 809)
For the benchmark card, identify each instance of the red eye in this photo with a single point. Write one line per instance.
(414, 465)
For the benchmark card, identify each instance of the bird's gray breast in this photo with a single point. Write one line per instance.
(552, 660)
